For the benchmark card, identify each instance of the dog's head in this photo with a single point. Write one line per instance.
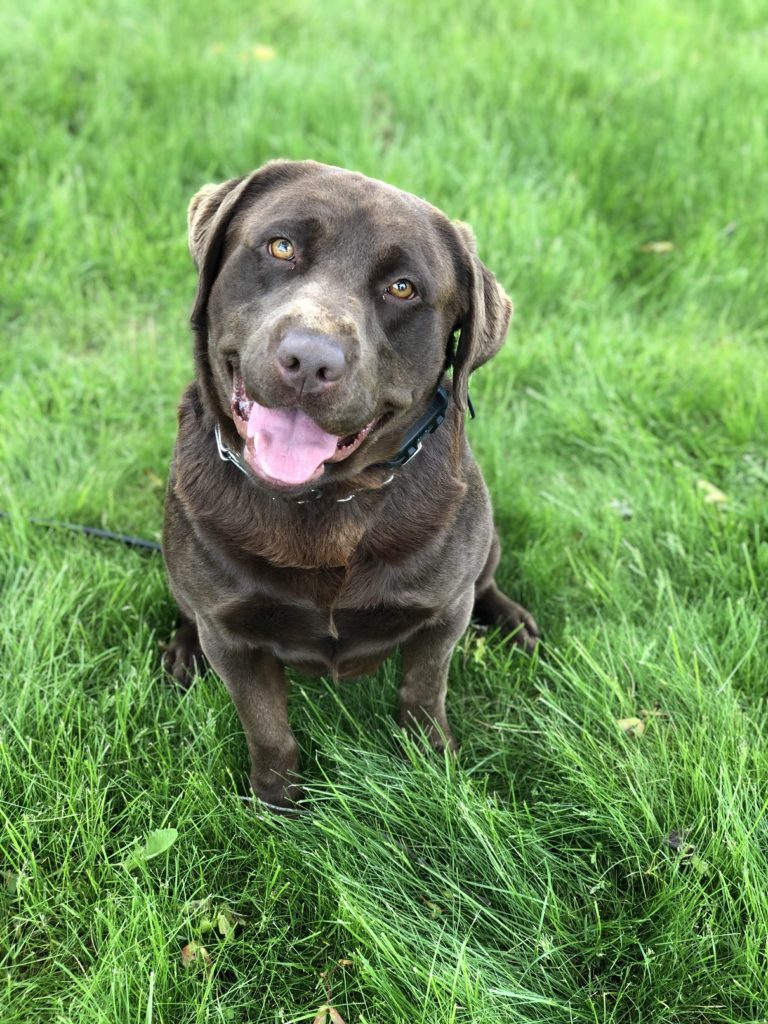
(325, 316)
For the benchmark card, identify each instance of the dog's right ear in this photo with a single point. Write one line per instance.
(201, 215)
(210, 214)
(208, 217)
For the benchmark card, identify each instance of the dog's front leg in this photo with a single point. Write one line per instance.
(426, 659)
(258, 687)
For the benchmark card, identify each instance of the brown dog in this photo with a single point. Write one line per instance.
(297, 531)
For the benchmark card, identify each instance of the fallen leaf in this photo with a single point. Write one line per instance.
(657, 247)
(259, 52)
(728, 230)
(547, 946)
(157, 842)
(654, 712)
(198, 906)
(227, 921)
(631, 726)
(712, 495)
(154, 480)
(433, 908)
(322, 1016)
(699, 864)
(678, 843)
(478, 650)
(335, 1016)
(194, 952)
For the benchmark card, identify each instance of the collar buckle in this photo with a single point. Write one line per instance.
(413, 453)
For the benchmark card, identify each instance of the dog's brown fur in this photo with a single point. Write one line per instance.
(265, 581)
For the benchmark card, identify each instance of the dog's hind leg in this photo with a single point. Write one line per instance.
(183, 658)
(493, 607)
(426, 659)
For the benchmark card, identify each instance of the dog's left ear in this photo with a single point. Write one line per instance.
(484, 324)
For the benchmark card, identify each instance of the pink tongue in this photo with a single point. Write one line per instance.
(287, 445)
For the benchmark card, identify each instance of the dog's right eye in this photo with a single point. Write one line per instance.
(402, 289)
(281, 249)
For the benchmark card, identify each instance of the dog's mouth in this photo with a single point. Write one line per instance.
(285, 447)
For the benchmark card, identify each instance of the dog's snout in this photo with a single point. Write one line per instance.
(310, 361)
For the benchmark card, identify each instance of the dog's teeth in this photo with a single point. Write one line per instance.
(348, 441)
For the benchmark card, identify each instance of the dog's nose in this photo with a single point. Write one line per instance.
(310, 362)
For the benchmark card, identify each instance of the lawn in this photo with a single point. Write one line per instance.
(599, 851)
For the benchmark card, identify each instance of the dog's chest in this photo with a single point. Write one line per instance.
(330, 621)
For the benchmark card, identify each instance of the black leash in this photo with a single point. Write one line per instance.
(94, 531)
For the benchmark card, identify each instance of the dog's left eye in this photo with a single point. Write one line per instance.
(281, 249)
(402, 289)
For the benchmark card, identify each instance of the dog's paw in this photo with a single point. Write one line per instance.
(183, 658)
(493, 608)
(276, 795)
(426, 731)
(520, 626)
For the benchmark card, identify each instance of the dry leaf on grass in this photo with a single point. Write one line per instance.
(657, 247)
(328, 1009)
(631, 726)
(260, 52)
(154, 481)
(193, 952)
(433, 908)
(326, 1012)
(654, 712)
(712, 495)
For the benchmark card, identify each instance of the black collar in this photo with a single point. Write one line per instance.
(427, 423)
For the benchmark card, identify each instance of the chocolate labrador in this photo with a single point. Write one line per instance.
(324, 507)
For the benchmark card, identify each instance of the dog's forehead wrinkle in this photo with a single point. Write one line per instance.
(321, 199)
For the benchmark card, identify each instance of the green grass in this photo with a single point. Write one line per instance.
(535, 879)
